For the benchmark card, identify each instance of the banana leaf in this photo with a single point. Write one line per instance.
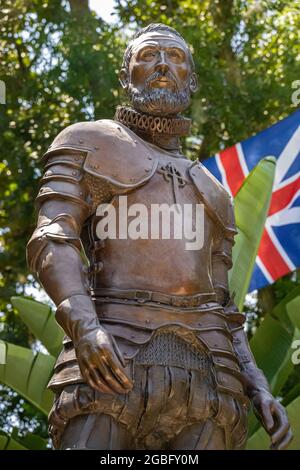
(271, 346)
(40, 320)
(291, 395)
(8, 443)
(28, 373)
(293, 311)
(34, 442)
(287, 367)
(28, 442)
(251, 205)
(273, 338)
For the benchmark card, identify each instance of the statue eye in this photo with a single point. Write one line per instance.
(174, 54)
(148, 55)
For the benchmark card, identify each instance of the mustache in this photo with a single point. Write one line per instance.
(159, 100)
(156, 75)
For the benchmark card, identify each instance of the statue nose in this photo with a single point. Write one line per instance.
(162, 65)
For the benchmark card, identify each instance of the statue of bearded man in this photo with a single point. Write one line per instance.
(155, 355)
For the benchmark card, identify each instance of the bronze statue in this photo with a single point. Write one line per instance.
(155, 355)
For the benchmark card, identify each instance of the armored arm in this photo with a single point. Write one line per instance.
(55, 253)
(270, 412)
(54, 250)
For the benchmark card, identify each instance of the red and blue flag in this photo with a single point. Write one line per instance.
(279, 251)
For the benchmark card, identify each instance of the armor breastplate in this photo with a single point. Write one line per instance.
(165, 265)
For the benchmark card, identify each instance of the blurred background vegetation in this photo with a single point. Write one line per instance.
(60, 62)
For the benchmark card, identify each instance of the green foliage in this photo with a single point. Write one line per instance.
(251, 205)
(8, 443)
(17, 413)
(41, 322)
(273, 338)
(30, 442)
(28, 373)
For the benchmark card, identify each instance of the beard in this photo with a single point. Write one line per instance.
(159, 101)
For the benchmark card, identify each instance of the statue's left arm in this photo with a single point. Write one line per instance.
(269, 411)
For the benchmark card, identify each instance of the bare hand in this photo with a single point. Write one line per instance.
(273, 418)
(101, 363)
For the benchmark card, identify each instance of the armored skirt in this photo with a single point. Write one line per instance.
(187, 392)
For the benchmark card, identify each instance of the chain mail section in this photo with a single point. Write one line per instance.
(169, 349)
(179, 126)
(101, 192)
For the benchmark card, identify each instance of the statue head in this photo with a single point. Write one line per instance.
(158, 71)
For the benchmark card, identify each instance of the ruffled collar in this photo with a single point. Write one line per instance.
(178, 126)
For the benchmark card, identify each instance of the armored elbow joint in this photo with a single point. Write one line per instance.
(62, 229)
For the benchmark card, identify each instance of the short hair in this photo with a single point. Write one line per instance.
(153, 27)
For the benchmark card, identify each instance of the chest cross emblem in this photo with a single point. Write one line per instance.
(171, 173)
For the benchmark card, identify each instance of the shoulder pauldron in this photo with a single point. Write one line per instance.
(112, 152)
(214, 197)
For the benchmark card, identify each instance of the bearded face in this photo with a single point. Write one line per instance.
(159, 77)
(159, 101)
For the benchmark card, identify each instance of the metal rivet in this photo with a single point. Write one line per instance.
(74, 173)
(147, 321)
(149, 158)
(80, 141)
(81, 193)
(147, 170)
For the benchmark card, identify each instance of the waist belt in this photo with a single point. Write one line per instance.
(145, 296)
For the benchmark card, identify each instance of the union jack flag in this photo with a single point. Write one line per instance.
(279, 251)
